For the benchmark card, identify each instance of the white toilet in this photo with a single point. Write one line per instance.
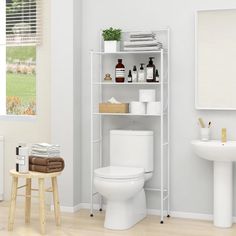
(131, 160)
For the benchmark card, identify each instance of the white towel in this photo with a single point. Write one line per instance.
(154, 48)
(142, 43)
(142, 39)
(45, 150)
(142, 34)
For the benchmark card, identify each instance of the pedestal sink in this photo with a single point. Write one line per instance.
(223, 155)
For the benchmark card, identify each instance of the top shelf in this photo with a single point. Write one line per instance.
(128, 52)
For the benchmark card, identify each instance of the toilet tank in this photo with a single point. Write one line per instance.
(132, 148)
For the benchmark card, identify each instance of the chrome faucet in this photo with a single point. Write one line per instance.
(223, 135)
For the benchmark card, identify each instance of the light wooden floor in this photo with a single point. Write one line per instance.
(80, 224)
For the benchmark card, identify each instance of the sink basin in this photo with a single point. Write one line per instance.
(223, 155)
(215, 150)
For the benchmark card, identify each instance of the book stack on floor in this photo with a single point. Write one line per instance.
(46, 158)
(142, 41)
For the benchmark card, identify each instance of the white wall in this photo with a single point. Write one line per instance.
(191, 177)
(65, 94)
(28, 130)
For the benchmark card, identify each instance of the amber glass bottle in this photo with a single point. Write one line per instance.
(120, 72)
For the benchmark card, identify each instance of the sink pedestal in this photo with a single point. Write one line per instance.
(223, 193)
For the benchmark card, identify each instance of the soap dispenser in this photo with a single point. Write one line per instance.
(151, 71)
(141, 74)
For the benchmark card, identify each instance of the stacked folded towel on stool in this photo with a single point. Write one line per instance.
(46, 165)
(142, 41)
(45, 150)
(46, 158)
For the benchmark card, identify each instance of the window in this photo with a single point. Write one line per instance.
(21, 80)
(18, 48)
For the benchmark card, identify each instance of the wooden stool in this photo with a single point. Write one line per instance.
(41, 179)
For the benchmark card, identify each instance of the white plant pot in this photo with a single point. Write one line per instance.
(111, 46)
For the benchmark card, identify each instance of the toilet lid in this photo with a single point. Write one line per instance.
(119, 172)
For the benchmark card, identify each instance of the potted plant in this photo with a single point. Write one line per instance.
(111, 39)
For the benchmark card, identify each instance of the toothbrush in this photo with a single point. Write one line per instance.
(201, 122)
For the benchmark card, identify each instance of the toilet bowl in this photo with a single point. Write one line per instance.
(121, 183)
(123, 189)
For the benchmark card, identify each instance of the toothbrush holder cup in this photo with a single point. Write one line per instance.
(205, 134)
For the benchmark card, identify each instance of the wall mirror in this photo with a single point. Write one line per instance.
(215, 62)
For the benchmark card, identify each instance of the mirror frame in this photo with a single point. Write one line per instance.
(197, 106)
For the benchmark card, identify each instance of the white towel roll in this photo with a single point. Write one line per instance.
(137, 108)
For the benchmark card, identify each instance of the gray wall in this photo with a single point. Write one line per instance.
(191, 177)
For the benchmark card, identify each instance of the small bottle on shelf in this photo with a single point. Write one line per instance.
(120, 72)
(157, 78)
(130, 77)
(135, 75)
(141, 74)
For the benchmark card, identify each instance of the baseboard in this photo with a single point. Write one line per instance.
(68, 209)
(185, 215)
(87, 206)
(176, 214)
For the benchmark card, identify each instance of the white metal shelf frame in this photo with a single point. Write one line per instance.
(164, 117)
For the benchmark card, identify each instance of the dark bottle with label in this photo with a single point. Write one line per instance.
(120, 72)
(157, 77)
(130, 77)
(151, 71)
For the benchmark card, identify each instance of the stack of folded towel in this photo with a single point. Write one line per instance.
(142, 41)
(46, 165)
(46, 158)
(45, 150)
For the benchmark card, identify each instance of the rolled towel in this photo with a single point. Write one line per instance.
(45, 169)
(46, 161)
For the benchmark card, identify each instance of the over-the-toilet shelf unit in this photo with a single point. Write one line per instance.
(98, 85)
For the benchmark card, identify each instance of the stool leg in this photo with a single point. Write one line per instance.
(27, 200)
(13, 203)
(42, 205)
(56, 202)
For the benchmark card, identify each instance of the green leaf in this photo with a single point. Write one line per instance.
(111, 34)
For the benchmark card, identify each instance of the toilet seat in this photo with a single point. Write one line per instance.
(119, 172)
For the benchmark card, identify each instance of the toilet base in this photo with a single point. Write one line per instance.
(121, 215)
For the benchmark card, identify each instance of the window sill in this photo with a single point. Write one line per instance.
(18, 118)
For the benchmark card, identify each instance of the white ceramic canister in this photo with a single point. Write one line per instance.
(137, 108)
(147, 95)
(154, 108)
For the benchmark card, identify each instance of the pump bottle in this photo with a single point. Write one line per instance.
(141, 74)
(151, 71)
